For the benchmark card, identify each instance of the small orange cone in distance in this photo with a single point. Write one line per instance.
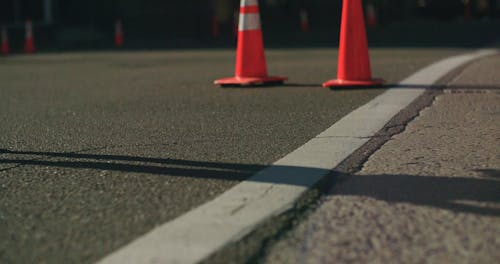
(354, 62)
(5, 42)
(29, 43)
(304, 20)
(119, 39)
(251, 66)
(371, 15)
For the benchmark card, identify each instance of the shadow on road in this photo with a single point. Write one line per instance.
(458, 194)
(195, 169)
(454, 193)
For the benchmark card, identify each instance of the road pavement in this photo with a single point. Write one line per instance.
(431, 194)
(98, 148)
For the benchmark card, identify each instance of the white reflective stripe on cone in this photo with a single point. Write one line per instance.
(249, 3)
(249, 22)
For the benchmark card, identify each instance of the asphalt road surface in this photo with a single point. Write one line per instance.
(430, 194)
(98, 148)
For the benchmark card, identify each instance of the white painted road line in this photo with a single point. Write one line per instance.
(197, 234)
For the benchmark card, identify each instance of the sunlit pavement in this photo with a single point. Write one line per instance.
(429, 195)
(98, 148)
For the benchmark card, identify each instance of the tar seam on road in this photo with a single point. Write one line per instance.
(199, 233)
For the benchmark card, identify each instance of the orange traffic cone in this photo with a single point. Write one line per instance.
(304, 20)
(371, 15)
(29, 43)
(5, 42)
(250, 58)
(118, 34)
(354, 61)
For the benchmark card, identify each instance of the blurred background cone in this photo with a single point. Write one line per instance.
(29, 43)
(304, 20)
(119, 39)
(371, 15)
(5, 41)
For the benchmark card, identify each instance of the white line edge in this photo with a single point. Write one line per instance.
(197, 234)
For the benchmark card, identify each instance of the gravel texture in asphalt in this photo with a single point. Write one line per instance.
(99, 148)
(430, 195)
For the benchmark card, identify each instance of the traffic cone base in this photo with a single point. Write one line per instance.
(349, 83)
(250, 81)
